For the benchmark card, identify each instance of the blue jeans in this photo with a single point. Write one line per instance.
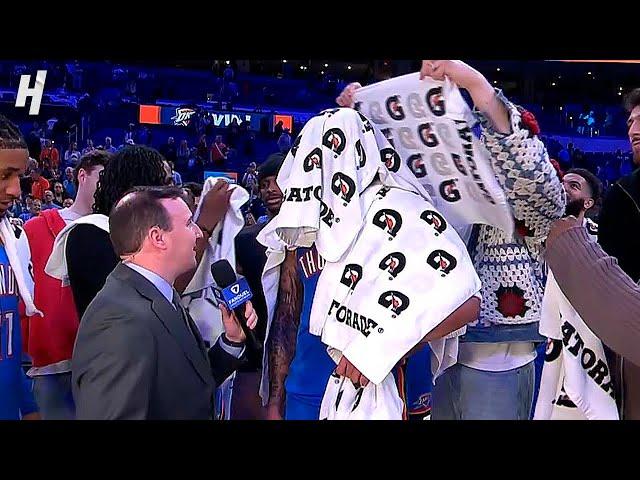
(53, 396)
(463, 393)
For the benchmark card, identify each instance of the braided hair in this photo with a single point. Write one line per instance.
(133, 166)
(10, 136)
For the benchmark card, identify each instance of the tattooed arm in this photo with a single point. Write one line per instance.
(281, 344)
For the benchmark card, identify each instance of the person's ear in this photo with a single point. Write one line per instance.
(157, 238)
(588, 203)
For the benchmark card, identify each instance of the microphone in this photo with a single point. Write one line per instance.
(234, 292)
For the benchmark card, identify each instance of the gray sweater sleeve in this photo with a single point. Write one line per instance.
(605, 297)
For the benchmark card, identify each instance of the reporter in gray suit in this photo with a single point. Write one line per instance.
(138, 354)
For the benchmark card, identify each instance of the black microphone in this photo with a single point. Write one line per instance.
(234, 292)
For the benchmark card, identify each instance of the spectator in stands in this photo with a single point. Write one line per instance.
(608, 123)
(59, 194)
(68, 202)
(37, 130)
(89, 147)
(218, 152)
(39, 185)
(250, 146)
(108, 145)
(28, 202)
(202, 150)
(168, 150)
(284, 142)
(48, 201)
(25, 180)
(49, 157)
(50, 339)
(182, 156)
(177, 178)
(17, 208)
(233, 133)
(195, 166)
(278, 129)
(68, 184)
(33, 211)
(591, 123)
(33, 141)
(72, 155)
(250, 181)
(228, 74)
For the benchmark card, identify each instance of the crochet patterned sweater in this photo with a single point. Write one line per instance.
(511, 269)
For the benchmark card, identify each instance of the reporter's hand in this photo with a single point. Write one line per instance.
(231, 324)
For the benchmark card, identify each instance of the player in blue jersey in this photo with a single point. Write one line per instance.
(16, 396)
(299, 365)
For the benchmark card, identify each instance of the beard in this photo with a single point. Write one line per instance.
(574, 207)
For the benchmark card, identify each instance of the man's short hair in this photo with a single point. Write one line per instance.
(89, 161)
(594, 182)
(131, 220)
(632, 99)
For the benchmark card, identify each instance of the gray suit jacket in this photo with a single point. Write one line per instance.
(135, 358)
